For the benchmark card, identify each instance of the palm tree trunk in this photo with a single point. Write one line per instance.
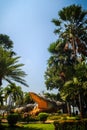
(69, 108)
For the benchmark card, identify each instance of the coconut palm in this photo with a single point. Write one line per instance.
(10, 69)
(14, 94)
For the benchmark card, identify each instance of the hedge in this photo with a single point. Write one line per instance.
(70, 125)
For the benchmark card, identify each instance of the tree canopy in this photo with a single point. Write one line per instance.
(10, 68)
(67, 65)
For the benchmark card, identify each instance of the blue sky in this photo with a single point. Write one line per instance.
(28, 24)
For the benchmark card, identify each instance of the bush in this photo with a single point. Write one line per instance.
(70, 125)
(13, 119)
(34, 118)
(43, 116)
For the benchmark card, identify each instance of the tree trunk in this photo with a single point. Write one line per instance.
(0, 82)
(81, 105)
(64, 108)
(69, 108)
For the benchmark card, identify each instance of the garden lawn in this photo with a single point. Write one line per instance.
(40, 126)
(29, 127)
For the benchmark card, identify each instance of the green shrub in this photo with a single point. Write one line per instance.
(43, 116)
(59, 112)
(70, 125)
(13, 119)
(72, 117)
(34, 118)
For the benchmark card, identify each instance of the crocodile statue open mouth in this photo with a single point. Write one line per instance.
(43, 104)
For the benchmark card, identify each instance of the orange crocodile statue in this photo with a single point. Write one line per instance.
(43, 104)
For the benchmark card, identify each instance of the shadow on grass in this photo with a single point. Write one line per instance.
(17, 128)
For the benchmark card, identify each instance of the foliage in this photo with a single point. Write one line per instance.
(52, 96)
(29, 118)
(13, 119)
(27, 98)
(14, 93)
(59, 117)
(67, 65)
(43, 116)
(6, 43)
(10, 69)
(70, 124)
(26, 117)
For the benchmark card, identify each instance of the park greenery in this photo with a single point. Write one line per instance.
(67, 65)
(11, 72)
(66, 72)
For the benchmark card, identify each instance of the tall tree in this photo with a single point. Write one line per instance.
(6, 43)
(72, 27)
(14, 93)
(69, 51)
(10, 69)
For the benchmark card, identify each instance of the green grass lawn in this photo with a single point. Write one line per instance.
(29, 127)
(40, 126)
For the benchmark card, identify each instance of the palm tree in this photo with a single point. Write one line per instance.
(10, 69)
(14, 94)
(72, 27)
